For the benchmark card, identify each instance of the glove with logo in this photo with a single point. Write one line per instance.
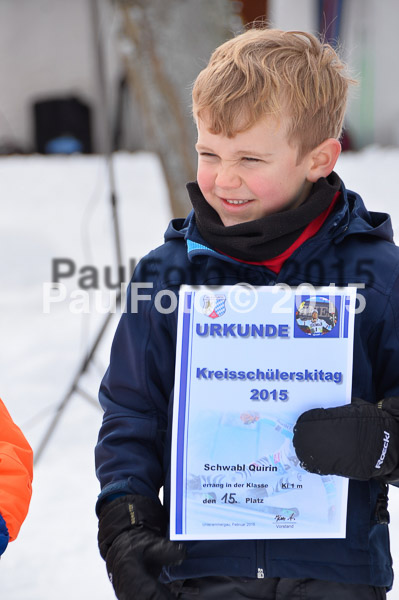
(131, 542)
(359, 440)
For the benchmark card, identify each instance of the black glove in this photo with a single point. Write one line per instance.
(130, 538)
(358, 440)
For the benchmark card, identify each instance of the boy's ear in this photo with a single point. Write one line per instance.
(323, 159)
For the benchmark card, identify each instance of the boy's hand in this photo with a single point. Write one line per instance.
(358, 440)
(135, 561)
(131, 542)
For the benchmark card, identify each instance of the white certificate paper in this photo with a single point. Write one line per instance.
(249, 361)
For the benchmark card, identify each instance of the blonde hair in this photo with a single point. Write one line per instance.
(265, 72)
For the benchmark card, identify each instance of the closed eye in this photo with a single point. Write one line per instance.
(251, 159)
(207, 154)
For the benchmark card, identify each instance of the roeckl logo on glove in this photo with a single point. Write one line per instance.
(384, 450)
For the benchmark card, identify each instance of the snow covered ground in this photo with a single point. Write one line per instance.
(58, 208)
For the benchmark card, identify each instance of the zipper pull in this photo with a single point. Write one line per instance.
(260, 574)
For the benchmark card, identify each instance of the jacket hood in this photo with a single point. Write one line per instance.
(362, 221)
(178, 228)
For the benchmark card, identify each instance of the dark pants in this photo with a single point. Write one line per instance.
(237, 588)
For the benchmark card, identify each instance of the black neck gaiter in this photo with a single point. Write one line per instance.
(265, 238)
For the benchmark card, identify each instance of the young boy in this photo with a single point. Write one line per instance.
(268, 208)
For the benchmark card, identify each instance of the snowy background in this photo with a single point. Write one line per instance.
(53, 207)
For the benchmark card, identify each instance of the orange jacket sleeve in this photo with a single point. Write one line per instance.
(16, 473)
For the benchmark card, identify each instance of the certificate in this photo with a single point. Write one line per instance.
(249, 361)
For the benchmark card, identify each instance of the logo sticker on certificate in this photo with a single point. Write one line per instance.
(249, 361)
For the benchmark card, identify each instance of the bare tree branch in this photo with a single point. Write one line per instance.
(160, 47)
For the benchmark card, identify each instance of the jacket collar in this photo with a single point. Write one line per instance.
(350, 217)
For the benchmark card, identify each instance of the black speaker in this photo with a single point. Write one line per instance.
(62, 126)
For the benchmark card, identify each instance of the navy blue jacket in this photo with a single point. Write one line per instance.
(133, 451)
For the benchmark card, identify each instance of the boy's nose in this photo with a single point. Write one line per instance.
(227, 178)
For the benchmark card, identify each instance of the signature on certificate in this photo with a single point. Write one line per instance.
(290, 517)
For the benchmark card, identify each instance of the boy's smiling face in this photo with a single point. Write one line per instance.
(253, 174)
